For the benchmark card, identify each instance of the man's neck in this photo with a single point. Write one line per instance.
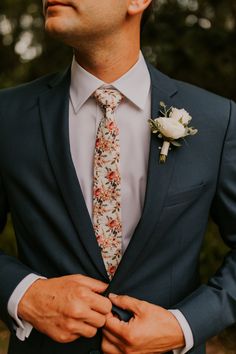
(109, 61)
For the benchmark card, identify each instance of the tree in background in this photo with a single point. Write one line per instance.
(190, 40)
(194, 40)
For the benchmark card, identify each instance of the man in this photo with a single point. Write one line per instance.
(52, 161)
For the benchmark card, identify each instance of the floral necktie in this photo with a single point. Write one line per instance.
(107, 182)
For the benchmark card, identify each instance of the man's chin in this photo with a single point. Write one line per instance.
(55, 26)
(62, 33)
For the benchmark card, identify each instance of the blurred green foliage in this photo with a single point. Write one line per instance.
(194, 41)
(7, 239)
(191, 40)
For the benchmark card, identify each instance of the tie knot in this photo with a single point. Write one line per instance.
(108, 98)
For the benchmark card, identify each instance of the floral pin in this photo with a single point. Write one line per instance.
(171, 127)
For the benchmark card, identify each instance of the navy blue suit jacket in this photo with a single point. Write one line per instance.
(55, 237)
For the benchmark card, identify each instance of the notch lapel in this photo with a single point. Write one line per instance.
(54, 109)
(158, 180)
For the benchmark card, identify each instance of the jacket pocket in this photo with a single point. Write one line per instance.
(185, 196)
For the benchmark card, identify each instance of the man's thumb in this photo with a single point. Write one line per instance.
(125, 302)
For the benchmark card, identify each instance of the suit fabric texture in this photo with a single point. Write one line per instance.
(55, 237)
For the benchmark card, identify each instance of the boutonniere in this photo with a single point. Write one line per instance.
(172, 126)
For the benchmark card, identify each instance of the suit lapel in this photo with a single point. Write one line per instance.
(158, 180)
(54, 109)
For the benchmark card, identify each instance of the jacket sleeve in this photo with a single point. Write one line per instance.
(212, 307)
(11, 270)
(3, 207)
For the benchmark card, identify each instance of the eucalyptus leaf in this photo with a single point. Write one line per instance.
(176, 143)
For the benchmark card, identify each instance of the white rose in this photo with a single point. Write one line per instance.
(171, 128)
(180, 114)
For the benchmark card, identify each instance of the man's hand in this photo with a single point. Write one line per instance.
(152, 329)
(65, 308)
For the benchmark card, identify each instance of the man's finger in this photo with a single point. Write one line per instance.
(91, 283)
(110, 348)
(85, 330)
(126, 302)
(116, 327)
(99, 303)
(95, 319)
(112, 338)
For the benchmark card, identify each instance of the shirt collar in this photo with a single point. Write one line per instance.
(134, 85)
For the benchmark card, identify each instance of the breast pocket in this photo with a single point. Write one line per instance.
(185, 196)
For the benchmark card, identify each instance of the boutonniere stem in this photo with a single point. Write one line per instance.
(164, 151)
(172, 126)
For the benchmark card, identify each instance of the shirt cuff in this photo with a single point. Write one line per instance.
(22, 328)
(188, 335)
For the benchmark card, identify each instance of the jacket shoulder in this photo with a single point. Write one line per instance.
(210, 112)
(25, 95)
(187, 93)
(36, 85)
(200, 95)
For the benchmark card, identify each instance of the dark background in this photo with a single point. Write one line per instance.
(191, 40)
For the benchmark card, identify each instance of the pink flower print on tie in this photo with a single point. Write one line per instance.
(107, 182)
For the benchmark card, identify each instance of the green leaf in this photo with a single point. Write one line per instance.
(162, 104)
(176, 143)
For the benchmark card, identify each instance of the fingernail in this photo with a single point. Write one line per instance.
(112, 295)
